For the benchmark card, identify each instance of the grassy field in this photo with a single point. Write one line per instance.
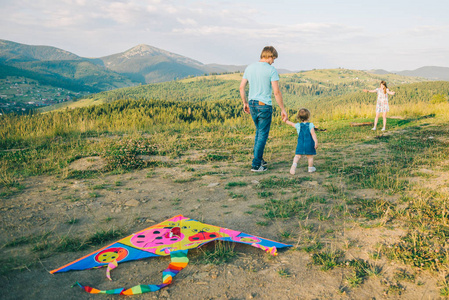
(395, 182)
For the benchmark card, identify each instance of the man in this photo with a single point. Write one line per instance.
(263, 80)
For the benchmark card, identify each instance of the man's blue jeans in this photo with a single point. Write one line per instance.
(261, 115)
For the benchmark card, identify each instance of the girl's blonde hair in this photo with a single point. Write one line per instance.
(385, 86)
(303, 114)
(269, 52)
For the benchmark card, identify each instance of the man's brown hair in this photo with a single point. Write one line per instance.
(269, 52)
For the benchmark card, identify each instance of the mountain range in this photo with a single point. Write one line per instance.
(433, 73)
(139, 65)
(429, 72)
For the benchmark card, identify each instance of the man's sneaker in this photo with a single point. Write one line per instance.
(312, 169)
(263, 163)
(259, 169)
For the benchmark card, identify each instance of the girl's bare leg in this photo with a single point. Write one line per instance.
(310, 161)
(384, 116)
(295, 163)
(375, 121)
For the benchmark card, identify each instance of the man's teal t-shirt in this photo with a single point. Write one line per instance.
(260, 75)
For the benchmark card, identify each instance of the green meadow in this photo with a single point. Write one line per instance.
(391, 184)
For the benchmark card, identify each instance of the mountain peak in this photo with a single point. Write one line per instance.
(143, 50)
(150, 52)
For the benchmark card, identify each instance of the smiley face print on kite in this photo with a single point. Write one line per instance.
(111, 254)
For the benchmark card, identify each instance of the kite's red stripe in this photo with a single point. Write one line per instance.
(175, 268)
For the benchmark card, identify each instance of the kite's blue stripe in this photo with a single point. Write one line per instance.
(173, 274)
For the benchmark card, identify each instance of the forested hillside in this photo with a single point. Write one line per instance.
(204, 89)
(45, 79)
(79, 75)
(298, 89)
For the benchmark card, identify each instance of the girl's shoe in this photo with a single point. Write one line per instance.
(293, 169)
(383, 129)
(312, 169)
(374, 128)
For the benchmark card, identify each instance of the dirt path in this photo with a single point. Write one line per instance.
(134, 201)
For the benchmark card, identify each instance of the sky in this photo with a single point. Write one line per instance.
(394, 35)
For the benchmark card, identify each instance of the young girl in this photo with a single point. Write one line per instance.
(307, 140)
(382, 103)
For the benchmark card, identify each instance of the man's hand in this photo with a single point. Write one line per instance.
(246, 108)
(284, 115)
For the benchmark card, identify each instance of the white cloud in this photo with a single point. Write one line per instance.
(151, 8)
(425, 31)
(226, 31)
(188, 21)
(308, 30)
(122, 13)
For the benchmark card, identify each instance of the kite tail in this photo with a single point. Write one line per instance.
(96, 291)
(271, 250)
(179, 261)
(111, 266)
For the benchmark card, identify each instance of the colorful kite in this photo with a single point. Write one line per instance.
(172, 237)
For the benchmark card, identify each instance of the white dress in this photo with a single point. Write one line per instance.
(382, 101)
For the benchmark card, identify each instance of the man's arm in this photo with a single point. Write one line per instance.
(243, 95)
(279, 100)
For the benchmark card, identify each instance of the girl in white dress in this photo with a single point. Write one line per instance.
(382, 103)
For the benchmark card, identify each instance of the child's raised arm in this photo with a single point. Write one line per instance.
(370, 91)
(290, 123)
